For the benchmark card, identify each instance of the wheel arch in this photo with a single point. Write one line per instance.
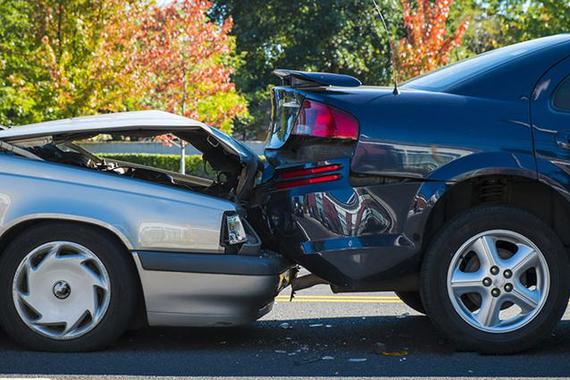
(21, 225)
(534, 196)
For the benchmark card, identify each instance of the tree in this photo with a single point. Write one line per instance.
(186, 62)
(84, 47)
(428, 43)
(334, 35)
(497, 23)
(18, 72)
(64, 58)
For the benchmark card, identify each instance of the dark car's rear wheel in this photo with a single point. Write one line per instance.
(413, 300)
(65, 287)
(495, 280)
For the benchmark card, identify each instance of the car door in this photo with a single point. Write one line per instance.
(550, 115)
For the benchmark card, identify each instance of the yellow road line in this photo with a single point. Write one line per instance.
(341, 299)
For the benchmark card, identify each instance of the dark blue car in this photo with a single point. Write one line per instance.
(453, 190)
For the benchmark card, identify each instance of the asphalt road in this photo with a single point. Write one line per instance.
(318, 336)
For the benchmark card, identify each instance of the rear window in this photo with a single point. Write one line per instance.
(450, 76)
(561, 99)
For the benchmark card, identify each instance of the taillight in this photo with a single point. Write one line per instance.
(321, 120)
(233, 231)
(288, 174)
(308, 181)
(289, 178)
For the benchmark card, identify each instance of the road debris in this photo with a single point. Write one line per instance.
(316, 325)
(379, 347)
(395, 353)
(310, 359)
(357, 360)
(327, 358)
(285, 326)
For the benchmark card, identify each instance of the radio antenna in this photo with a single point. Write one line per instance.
(391, 46)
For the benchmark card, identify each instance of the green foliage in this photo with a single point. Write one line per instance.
(62, 58)
(186, 61)
(498, 23)
(66, 58)
(346, 36)
(20, 78)
(334, 35)
(194, 163)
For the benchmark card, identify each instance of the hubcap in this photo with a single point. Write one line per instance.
(61, 290)
(498, 281)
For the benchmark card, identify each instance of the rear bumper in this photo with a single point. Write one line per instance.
(190, 289)
(355, 237)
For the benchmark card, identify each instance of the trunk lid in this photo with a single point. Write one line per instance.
(287, 100)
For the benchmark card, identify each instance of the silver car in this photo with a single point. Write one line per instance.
(92, 246)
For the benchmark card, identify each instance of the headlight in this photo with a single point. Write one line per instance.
(235, 233)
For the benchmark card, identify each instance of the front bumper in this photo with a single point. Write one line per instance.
(192, 289)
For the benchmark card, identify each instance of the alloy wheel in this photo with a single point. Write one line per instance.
(498, 281)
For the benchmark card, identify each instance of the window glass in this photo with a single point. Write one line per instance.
(451, 75)
(561, 98)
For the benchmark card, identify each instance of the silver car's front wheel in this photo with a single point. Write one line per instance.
(66, 287)
(61, 290)
(498, 281)
(495, 279)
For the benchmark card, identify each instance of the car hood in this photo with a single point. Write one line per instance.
(217, 145)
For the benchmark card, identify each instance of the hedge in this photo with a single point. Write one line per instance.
(194, 163)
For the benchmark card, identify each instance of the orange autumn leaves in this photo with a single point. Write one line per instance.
(428, 42)
(188, 61)
(134, 54)
(86, 57)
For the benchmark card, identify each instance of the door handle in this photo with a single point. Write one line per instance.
(563, 139)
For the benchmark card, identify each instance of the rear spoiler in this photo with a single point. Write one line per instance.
(296, 78)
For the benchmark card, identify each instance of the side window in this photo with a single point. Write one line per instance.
(561, 99)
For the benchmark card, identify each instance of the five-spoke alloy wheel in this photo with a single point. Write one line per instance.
(498, 281)
(66, 287)
(494, 279)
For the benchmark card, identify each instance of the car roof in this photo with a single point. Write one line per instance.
(105, 123)
(527, 59)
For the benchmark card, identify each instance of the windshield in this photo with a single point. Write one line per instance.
(450, 76)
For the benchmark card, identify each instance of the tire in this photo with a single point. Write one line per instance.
(81, 260)
(459, 316)
(413, 300)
